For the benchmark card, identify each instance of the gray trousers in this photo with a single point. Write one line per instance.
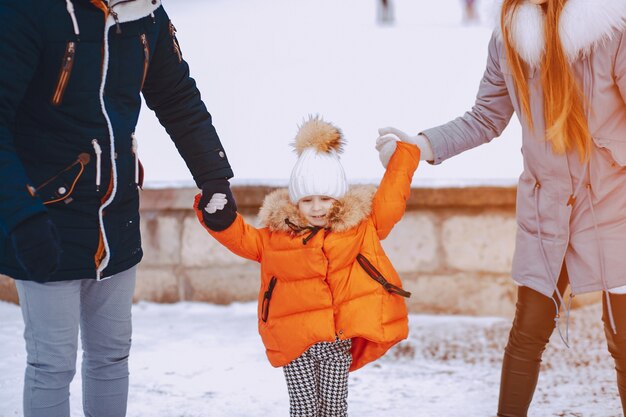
(52, 315)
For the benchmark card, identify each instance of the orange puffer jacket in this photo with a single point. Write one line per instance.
(313, 289)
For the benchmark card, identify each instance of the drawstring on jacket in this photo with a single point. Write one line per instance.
(549, 270)
(135, 145)
(589, 81)
(70, 9)
(605, 286)
(602, 268)
(98, 150)
(298, 229)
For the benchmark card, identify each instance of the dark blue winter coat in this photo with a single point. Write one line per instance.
(70, 84)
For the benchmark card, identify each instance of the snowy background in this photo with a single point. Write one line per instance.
(201, 360)
(263, 66)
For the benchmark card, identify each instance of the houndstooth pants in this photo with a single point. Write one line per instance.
(317, 380)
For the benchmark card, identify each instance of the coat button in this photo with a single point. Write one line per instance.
(340, 331)
(62, 190)
(221, 154)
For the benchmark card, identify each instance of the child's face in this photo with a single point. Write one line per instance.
(315, 209)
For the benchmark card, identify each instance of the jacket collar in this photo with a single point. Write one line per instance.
(584, 24)
(346, 213)
(128, 10)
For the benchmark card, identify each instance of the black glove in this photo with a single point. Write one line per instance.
(221, 219)
(37, 247)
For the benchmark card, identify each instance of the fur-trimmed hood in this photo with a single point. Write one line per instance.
(584, 24)
(345, 214)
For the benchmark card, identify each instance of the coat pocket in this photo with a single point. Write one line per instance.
(616, 147)
(64, 73)
(60, 186)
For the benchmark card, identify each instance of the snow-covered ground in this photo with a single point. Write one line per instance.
(201, 360)
(263, 66)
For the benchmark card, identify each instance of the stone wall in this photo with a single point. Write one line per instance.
(453, 249)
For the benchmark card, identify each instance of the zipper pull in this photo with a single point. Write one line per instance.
(98, 150)
(69, 59)
(118, 28)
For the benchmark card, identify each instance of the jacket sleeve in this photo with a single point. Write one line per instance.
(172, 94)
(389, 202)
(240, 238)
(491, 113)
(620, 66)
(20, 47)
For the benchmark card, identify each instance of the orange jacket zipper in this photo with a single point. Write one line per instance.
(64, 74)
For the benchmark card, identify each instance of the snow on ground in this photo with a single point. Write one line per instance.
(263, 66)
(202, 360)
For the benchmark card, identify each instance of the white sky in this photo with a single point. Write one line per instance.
(263, 66)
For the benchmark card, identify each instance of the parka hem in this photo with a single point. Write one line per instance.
(74, 275)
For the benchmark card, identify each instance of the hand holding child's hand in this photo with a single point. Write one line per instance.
(217, 205)
(386, 144)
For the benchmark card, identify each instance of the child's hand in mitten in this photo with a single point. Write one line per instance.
(218, 209)
(386, 144)
(217, 202)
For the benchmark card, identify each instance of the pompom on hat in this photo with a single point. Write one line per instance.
(318, 170)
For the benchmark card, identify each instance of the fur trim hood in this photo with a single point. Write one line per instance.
(345, 214)
(584, 24)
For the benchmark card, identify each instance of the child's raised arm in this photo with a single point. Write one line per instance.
(390, 199)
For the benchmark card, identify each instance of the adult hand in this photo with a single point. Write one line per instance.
(37, 247)
(217, 203)
(386, 144)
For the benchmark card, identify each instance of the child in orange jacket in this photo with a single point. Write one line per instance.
(330, 301)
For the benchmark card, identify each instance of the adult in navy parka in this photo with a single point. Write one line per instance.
(71, 74)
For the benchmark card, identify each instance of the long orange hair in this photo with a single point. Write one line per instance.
(565, 119)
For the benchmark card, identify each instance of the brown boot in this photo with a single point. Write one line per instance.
(530, 333)
(617, 342)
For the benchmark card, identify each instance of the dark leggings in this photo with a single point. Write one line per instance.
(530, 333)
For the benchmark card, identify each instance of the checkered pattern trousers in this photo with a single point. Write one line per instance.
(317, 381)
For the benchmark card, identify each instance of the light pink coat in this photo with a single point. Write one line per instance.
(590, 234)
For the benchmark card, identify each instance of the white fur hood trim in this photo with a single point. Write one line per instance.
(346, 213)
(584, 24)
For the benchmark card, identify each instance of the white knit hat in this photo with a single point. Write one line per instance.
(317, 170)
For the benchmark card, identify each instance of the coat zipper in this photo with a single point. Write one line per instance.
(64, 74)
(146, 58)
(267, 297)
(175, 42)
